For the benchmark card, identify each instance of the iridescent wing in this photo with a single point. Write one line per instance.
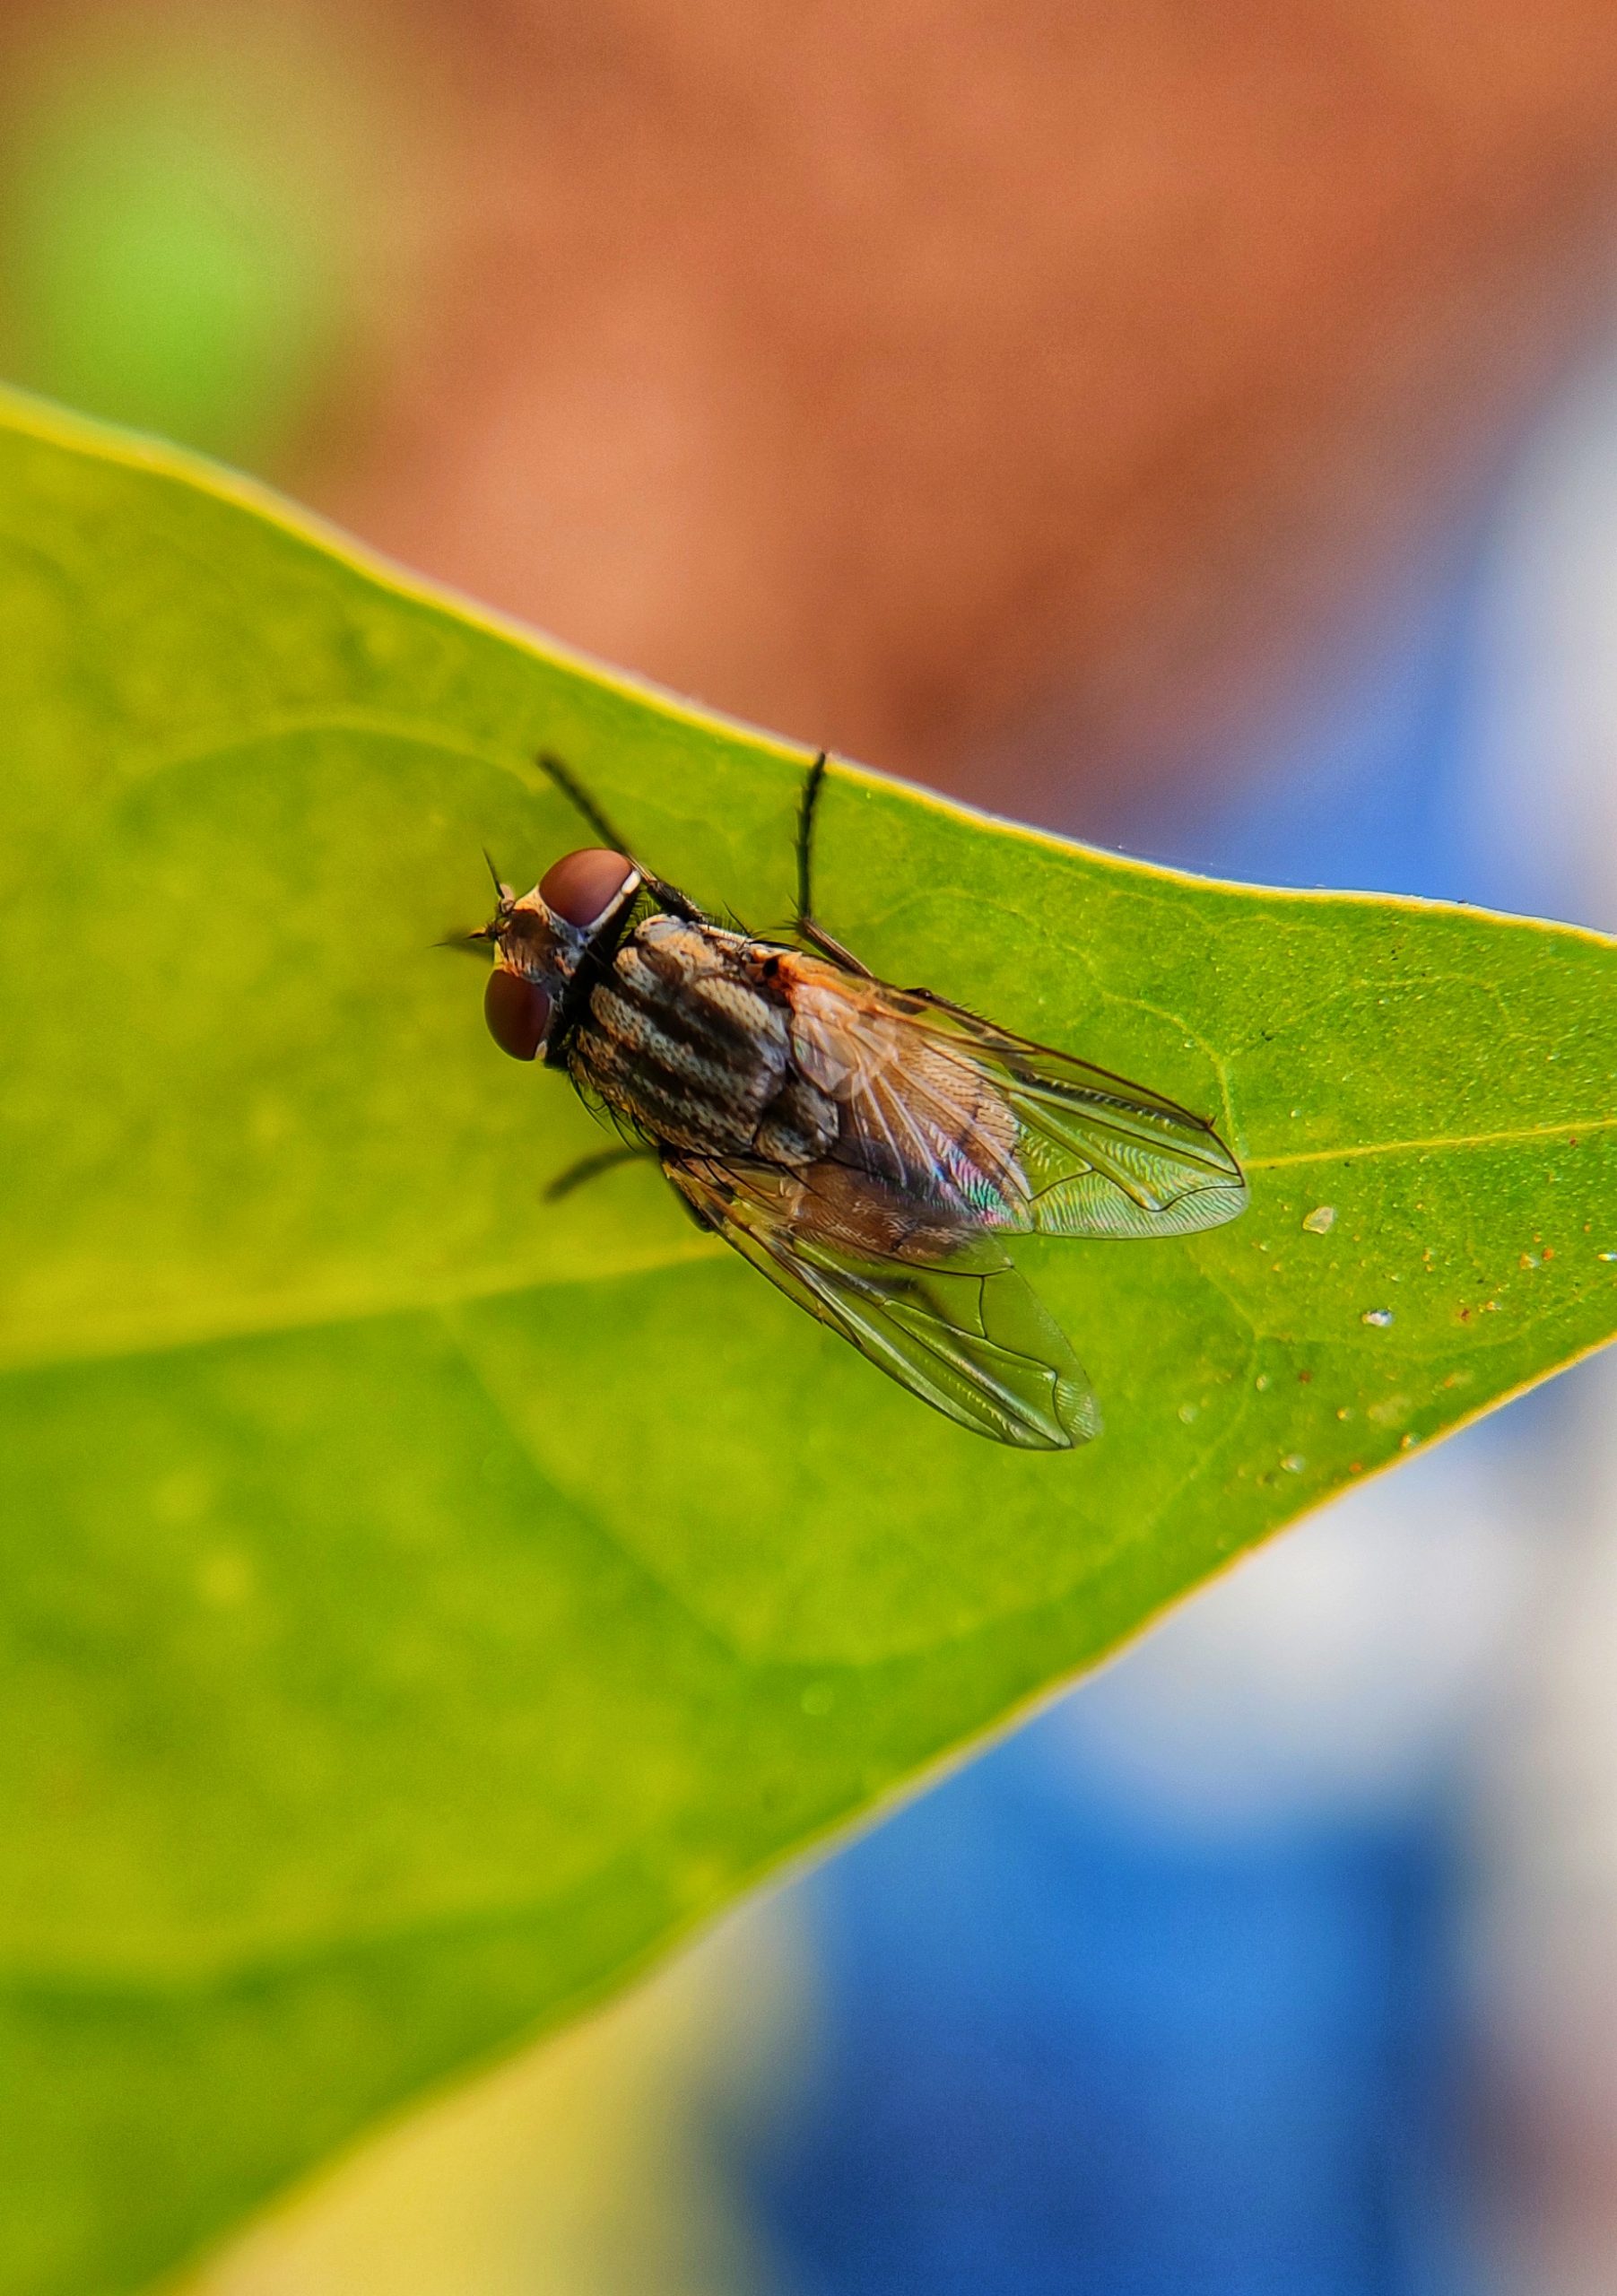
(1010, 1133)
(942, 1312)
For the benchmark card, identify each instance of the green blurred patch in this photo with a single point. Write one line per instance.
(178, 248)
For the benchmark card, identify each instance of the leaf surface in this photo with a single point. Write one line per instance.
(419, 1603)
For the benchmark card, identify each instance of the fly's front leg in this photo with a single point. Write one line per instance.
(806, 927)
(666, 896)
(670, 897)
(579, 798)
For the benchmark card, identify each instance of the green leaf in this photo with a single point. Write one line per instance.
(419, 1603)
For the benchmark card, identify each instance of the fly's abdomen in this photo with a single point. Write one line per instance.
(679, 1040)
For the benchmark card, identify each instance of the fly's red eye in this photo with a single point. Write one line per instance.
(518, 1012)
(583, 886)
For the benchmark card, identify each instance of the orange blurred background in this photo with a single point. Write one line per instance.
(1012, 394)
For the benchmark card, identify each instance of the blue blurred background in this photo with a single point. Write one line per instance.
(1200, 435)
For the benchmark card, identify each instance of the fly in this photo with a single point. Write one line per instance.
(866, 1148)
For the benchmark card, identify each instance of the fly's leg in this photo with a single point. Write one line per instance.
(582, 803)
(806, 806)
(960, 1011)
(669, 897)
(666, 896)
(806, 927)
(591, 1168)
(807, 930)
(692, 1211)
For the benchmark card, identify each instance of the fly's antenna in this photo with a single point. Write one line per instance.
(581, 801)
(806, 837)
(472, 943)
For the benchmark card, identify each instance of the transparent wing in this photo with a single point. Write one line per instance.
(1008, 1132)
(946, 1315)
(1103, 1157)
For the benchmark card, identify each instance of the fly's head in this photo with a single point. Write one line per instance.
(540, 939)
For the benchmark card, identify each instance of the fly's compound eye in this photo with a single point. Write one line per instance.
(518, 1012)
(582, 886)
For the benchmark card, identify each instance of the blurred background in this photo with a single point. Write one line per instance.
(1191, 424)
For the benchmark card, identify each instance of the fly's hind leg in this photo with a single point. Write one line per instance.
(807, 928)
(591, 1168)
(960, 1013)
(608, 1160)
(817, 939)
(686, 1202)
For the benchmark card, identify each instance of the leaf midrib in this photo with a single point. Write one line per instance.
(318, 1313)
(1437, 1145)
